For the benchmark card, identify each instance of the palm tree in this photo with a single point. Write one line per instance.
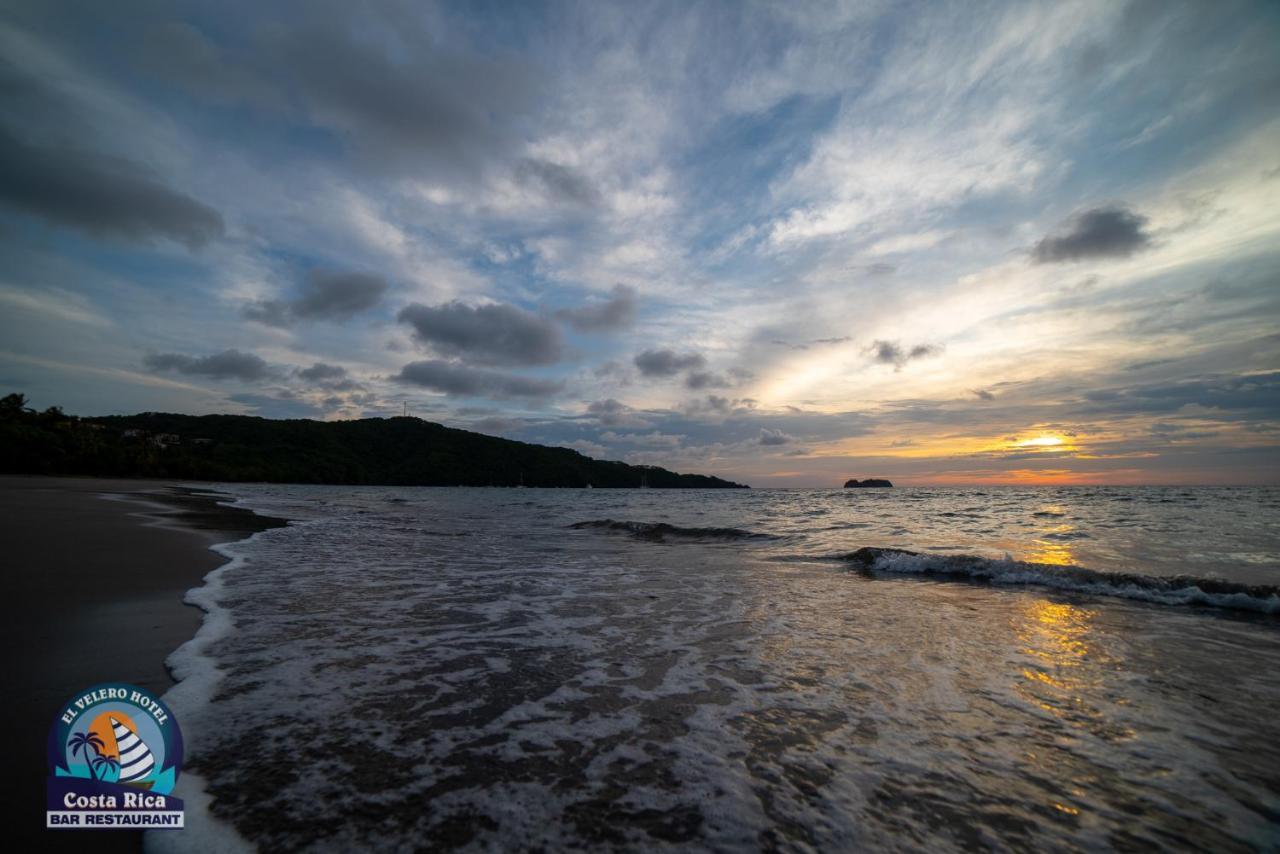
(86, 740)
(107, 762)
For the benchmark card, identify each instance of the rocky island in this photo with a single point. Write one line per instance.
(869, 483)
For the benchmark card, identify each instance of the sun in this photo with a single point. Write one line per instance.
(1040, 442)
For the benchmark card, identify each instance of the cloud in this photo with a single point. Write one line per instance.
(413, 106)
(462, 381)
(613, 413)
(227, 365)
(558, 181)
(812, 342)
(983, 394)
(698, 380)
(322, 295)
(774, 437)
(893, 353)
(489, 334)
(384, 86)
(320, 372)
(617, 312)
(331, 377)
(1250, 392)
(100, 195)
(268, 311)
(337, 296)
(1104, 232)
(667, 363)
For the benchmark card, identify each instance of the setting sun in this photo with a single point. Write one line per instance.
(1040, 442)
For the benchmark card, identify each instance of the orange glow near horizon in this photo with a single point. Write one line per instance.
(1030, 477)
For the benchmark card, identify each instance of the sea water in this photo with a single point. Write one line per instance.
(1059, 669)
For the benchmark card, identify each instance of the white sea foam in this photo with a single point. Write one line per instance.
(197, 674)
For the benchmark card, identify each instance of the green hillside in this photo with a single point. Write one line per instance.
(385, 451)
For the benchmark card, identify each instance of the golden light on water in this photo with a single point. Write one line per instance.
(1052, 552)
(1055, 636)
(1056, 633)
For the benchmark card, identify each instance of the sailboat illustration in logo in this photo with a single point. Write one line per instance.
(135, 760)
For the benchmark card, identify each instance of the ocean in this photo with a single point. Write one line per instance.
(522, 669)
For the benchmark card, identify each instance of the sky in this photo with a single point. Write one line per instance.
(786, 243)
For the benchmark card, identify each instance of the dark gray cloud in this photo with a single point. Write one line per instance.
(983, 394)
(462, 381)
(331, 377)
(320, 372)
(617, 312)
(893, 353)
(180, 54)
(1251, 392)
(337, 296)
(387, 86)
(227, 365)
(698, 380)
(272, 312)
(101, 195)
(1105, 232)
(613, 413)
(414, 106)
(774, 437)
(603, 409)
(489, 334)
(559, 182)
(322, 295)
(667, 363)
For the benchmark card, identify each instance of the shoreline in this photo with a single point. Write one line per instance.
(100, 569)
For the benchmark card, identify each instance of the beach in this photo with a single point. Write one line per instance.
(1071, 669)
(97, 586)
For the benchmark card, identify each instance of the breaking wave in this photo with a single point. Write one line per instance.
(1167, 590)
(660, 531)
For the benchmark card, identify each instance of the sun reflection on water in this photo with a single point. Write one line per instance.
(1066, 671)
(1052, 552)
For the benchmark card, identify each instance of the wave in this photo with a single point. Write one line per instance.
(1167, 590)
(660, 531)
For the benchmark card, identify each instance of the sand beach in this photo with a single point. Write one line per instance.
(97, 570)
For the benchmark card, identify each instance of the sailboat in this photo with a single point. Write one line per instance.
(136, 761)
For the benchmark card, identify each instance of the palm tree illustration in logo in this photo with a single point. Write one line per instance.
(84, 742)
(105, 764)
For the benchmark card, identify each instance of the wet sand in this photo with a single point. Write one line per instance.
(96, 571)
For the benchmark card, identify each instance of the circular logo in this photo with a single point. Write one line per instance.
(117, 734)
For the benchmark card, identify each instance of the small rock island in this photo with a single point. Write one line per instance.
(869, 483)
